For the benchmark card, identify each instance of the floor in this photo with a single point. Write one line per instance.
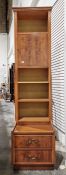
(7, 123)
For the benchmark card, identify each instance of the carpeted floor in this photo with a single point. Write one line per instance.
(7, 123)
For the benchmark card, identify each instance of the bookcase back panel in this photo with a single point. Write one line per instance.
(33, 91)
(32, 49)
(33, 74)
(33, 109)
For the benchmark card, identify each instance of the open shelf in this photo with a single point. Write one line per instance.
(33, 75)
(32, 26)
(33, 91)
(33, 109)
(32, 21)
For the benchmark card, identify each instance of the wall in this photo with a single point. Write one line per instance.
(3, 42)
(10, 48)
(22, 3)
(26, 3)
(45, 3)
(2, 16)
(3, 57)
(9, 14)
(57, 59)
(65, 64)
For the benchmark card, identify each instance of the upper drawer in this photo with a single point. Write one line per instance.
(33, 141)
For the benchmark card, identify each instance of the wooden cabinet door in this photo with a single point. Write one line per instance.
(39, 50)
(23, 51)
(32, 49)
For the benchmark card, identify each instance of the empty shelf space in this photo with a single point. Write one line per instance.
(33, 100)
(33, 75)
(33, 91)
(33, 109)
(32, 25)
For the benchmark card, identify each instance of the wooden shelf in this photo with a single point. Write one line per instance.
(41, 129)
(30, 82)
(21, 33)
(30, 67)
(33, 100)
(27, 120)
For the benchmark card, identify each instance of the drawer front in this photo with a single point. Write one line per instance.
(33, 141)
(33, 156)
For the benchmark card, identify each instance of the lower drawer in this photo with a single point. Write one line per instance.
(32, 156)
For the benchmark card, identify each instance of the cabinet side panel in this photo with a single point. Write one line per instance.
(16, 72)
(49, 61)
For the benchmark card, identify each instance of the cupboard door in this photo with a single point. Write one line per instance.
(32, 49)
(23, 51)
(40, 50)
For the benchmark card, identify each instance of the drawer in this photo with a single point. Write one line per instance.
(33, 156)
(33, 141)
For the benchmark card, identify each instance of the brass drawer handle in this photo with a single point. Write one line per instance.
(30, 157)
(32, 141)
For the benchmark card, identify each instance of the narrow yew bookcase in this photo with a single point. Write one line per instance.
(33, 138)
